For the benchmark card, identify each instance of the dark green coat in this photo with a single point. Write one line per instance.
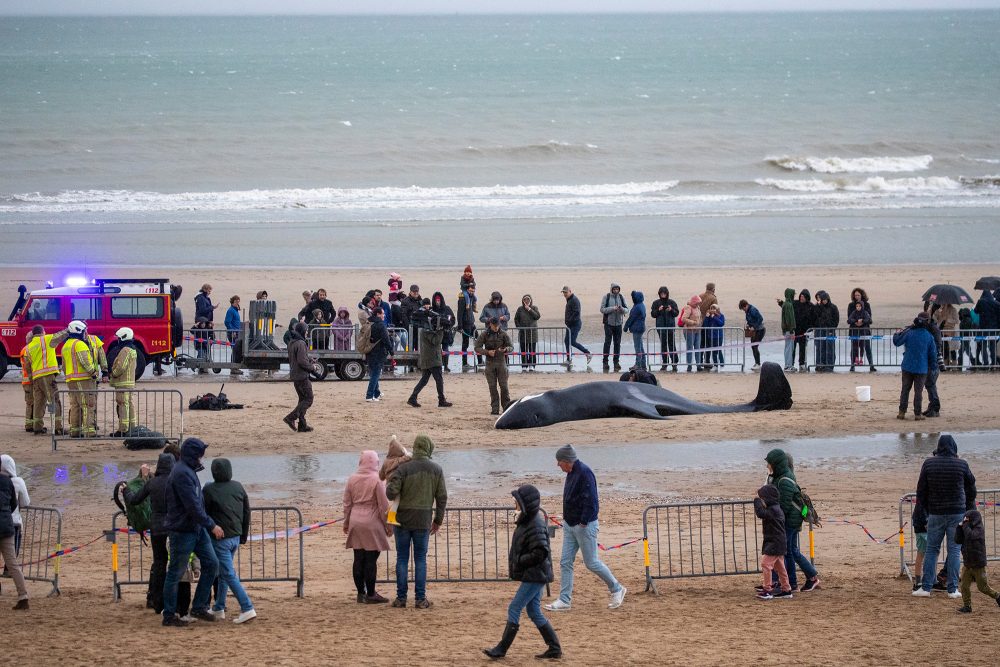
(227, 501)
(430, 348)
(419, 485)
(784, 478)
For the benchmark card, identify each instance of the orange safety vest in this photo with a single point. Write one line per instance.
(78, 360)
(25, 366)
(42, 353)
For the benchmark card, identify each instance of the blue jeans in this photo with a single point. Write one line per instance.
(795, 557)
(571, 334)
(789, 349)
(374, 373)
(939, 526)
(529, 594)
(692, 340)
(582, 538)
(640, 350)
(225, 549)
(419, 540)
(181, 546)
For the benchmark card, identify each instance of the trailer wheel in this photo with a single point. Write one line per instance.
(353, 369)
(319, 372)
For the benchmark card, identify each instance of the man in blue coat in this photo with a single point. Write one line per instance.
(189, 526)
(919, 356)
(580, 528)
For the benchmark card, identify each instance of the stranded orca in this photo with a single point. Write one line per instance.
(596, 400)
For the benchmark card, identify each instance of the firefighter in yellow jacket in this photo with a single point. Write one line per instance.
(44, 369)
(29, 394)
(82, 372)
(123, 380)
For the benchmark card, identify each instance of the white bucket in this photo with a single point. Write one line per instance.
(863, 394)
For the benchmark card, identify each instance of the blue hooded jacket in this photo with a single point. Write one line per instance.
(636, 322)
(185, 505)
(920, 353)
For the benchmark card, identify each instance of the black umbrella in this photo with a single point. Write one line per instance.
(988, 282)
(945, 294)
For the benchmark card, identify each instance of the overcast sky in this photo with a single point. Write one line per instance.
(106, 7)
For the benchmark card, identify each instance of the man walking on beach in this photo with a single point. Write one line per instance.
(580, 509)
(946, 488)
(419, 486)
(495, 344)
(299, 366)
(574, 322)
(613, 313)
(427, 325)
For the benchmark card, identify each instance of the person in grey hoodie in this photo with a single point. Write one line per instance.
(613, 311)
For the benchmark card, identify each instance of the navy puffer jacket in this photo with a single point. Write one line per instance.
(946, 485)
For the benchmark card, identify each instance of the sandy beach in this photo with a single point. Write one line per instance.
(862, 615)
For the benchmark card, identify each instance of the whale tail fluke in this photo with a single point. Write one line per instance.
(774, 392)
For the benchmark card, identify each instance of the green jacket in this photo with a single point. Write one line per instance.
(419, 485)
(227, 501)
(784, 478)
(494, 340)
(788, 312)
(430, 348)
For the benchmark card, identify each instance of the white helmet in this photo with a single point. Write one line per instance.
(125, 334)
(77, 327)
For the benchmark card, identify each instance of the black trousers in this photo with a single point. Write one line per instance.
(438, 381)
(304, 390)
(758, 335)
(365, 569)
(667, 344)
(158, 570)
(612, 334)
(915, 382)
(802, 342)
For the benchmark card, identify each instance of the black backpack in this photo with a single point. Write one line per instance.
(140, 437)
(803, 504)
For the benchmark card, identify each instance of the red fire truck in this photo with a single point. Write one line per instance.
(106, 305)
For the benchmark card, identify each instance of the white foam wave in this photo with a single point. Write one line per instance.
(858, 165)
(551, 147)
(914, 185)
(348, 199)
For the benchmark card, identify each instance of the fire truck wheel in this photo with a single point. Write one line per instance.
(140, 362)
(3, 363)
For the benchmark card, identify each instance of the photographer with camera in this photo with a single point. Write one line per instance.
(494, 343)
(430, 329)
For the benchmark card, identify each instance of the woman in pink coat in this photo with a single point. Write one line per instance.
(365, 508)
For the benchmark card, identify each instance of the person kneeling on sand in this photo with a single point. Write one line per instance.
(530, 562)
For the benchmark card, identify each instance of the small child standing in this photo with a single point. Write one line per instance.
(972, 536)
(715, 321)
(767, 507)
(397, 456)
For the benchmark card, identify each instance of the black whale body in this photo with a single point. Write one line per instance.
(597, 400)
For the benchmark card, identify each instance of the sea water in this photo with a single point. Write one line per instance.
(520, 140)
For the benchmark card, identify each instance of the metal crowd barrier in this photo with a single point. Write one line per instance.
(700, 540)
(539, 346)
(731, 352)
(208, 348)
(986, 503)
(971, 349)
(471, 546)
(41, 535)
(271, 557)
(333, 337)
(846, 347)
(159, 410)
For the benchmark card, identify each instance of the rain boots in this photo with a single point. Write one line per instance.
(500, 650)
(552, 641)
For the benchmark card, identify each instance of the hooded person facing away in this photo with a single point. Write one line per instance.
(227, 502)
(636, 325)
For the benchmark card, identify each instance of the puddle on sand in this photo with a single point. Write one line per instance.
(287, 477)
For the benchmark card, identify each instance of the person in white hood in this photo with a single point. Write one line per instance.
(8, 466)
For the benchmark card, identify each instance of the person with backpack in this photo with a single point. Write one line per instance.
(530, 562)
(8, 505)
(794, 506)
(146, 509)
(227, 503)
(377, 347)
(613, 313)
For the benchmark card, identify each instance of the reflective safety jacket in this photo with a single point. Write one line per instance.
(123, 370)
(78, 360)
(42, 353)
(97, 350)
(25, 366)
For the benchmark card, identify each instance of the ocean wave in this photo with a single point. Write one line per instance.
(498, 196)
(983, 160)
(913, 185)
(551, 147)
(859, 165)
(981, 181)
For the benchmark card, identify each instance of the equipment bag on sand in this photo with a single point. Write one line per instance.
(138, 516)
(140, 437)
(213, 402)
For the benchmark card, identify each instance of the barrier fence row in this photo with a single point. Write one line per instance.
(41, 536)
(277, 555)
(844, 347)
(115, 414)
(986, 503)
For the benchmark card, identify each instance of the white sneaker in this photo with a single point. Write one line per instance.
(921, 593)
(755, 367)
(617, 598)
(558, 605)
(187, 618)
(219, 615)
(246, 616)
(954, 595)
